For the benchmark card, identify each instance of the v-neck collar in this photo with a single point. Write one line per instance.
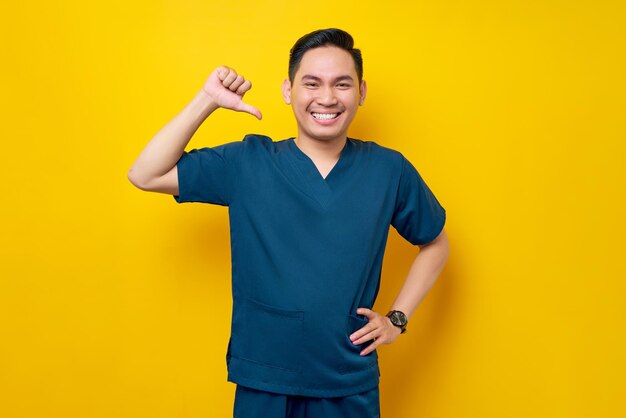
(343, 156)
(318, 187)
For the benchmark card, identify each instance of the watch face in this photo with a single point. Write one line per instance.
(398, 318)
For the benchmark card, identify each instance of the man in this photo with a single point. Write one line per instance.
(309, 220)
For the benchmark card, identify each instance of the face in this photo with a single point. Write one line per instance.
(325, 94)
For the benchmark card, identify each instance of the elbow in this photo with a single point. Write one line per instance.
(135, 179)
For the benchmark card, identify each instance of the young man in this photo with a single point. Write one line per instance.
(309, 220)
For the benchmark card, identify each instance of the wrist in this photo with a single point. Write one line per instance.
(206, 102)
(398, 319)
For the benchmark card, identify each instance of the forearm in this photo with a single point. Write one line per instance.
(167, 146)
(422, 275)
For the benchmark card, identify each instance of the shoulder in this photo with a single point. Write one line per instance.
(380, 153)
(250, 144)
(232, 151)
(257, 140)
(257, 144)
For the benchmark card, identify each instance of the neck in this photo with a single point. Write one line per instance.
(324, 149)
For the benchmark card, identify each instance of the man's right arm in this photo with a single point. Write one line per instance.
(155, 169)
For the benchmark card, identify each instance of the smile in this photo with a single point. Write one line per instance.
(325, 116)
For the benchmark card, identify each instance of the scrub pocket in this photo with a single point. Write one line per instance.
(272, 335)
(354, 361)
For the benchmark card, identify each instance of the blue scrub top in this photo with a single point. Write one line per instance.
(307, 251)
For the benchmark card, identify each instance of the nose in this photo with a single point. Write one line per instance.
(327, 96)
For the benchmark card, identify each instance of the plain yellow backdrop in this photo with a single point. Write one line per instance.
(116, 302)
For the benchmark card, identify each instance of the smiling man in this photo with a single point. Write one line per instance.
(309, 221)
(325, 88)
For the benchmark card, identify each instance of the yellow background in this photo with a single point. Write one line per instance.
(116, 302)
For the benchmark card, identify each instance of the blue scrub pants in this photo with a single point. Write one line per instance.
(253, 403)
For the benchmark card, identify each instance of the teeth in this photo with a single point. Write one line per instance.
(325, 115)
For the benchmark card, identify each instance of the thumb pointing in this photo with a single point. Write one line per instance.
(245, 107)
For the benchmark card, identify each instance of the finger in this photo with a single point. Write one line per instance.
(247, 85)
(371, 347)
(222, 72)
(366, 312)
(232, 75)
(361, 332)
(238, 82)
(245, 107)
(365, 338)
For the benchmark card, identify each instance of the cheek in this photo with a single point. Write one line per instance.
(350, 100)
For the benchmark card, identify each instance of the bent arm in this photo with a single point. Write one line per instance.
(155, 168)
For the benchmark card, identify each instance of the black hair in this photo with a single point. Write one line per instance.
(324, 37)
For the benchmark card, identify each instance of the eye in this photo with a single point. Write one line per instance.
(344, 85)
(310, 84)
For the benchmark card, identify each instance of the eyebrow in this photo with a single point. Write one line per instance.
(340, 78)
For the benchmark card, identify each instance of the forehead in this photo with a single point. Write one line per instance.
(326, 61)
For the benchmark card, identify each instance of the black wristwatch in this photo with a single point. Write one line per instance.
(399, 319)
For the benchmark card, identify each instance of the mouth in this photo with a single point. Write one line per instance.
(325, 116)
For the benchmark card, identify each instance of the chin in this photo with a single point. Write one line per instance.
(326, 137)
(324, 134)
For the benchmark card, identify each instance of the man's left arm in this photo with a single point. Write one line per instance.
(422, 275)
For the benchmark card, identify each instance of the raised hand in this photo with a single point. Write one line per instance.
(227, 89)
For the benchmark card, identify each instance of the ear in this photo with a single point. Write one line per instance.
(363, 91)
(287, 91)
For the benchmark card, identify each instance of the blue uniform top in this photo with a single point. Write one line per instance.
(307, 251)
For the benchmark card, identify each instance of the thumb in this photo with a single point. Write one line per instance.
(245, 107)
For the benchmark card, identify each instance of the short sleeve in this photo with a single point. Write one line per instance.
(418, 216)
(208, 175)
